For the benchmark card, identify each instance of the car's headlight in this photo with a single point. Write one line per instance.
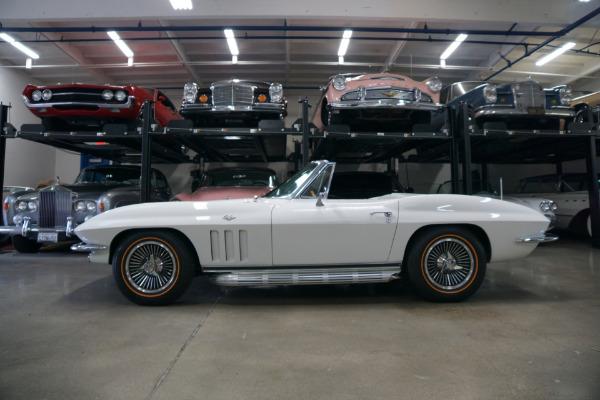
(47, 94)
(548, 205)
(566, 95)
(339, 82)
(489, 93)
(36, 95)
(26, 205)
(108, 95)
(276, 92)
(190, 90)
(85, 205)
(120, 95)
(434, 84)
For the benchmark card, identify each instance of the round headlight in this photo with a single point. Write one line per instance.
(36, 95)
(548, 205)
(91, 206)
(276, 92)
(566, 95)
(417, 94)
(108, 95)
(489, 93)
(21, 206)
(120, 95)
(339, 82)
(32, 206)
(434, 84)
(80, 206)
(190, 90)
(46, 94)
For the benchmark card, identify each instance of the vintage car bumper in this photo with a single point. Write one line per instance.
(509, 111)
(29, 230)
(547, 237)
(190, 108)
(84, 247)
(384, 103)
(74, 104)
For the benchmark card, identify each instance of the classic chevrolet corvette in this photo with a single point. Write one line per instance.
(297, 235)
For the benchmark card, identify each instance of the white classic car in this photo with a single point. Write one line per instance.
(296, 235)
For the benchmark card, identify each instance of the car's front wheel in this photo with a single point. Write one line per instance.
(446, 264)
(153, 268)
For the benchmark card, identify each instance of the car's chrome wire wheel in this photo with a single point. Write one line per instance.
(150, 267)
(449, 263)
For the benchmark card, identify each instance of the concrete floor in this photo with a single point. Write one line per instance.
(531, 332)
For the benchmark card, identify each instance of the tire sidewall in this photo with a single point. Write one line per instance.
(416, 265)
(183, 265)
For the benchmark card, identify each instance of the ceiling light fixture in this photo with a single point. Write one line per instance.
(344, 43)
(453, 46)
(181, 4)
(122, 45)
(554, 54)
(233, 48)
(19, 45)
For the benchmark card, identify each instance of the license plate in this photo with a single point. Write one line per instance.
(536, 111)
(45, 237)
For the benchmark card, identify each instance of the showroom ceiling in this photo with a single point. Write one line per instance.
(296, 43)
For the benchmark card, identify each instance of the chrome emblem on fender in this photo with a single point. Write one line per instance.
(228, 217)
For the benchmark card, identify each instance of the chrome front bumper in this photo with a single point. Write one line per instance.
(545, 238)
(384, 103)
(509, 111)
(129, 104)
(84, 247)
(25, 229)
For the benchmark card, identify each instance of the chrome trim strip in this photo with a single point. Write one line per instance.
(275, 107)
(84, 247)
(383, 103)
(129, 104)
(508, 110)
(548, 237)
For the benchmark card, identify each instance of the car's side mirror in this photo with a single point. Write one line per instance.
(320, 200)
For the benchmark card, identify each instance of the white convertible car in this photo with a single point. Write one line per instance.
(296, 235)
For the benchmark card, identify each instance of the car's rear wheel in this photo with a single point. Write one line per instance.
(153, 268)
(25, 245)
(446, 264)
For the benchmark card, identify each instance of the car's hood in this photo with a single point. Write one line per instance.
(223, 192)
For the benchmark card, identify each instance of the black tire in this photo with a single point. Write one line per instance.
(153, 268)
(25, 245)
(446, 264)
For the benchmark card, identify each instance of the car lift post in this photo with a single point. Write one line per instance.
(146, 157)
(594, 195)
(3, 131)
(305, 131)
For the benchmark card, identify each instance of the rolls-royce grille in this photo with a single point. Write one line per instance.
(233, 95)
(528, 94)
(54, 208)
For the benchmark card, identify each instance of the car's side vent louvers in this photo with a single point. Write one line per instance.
(229, 245)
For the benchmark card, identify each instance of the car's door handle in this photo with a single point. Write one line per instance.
(386, 213)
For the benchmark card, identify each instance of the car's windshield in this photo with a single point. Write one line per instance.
(240, 178)
(294, 182)
(109, 175)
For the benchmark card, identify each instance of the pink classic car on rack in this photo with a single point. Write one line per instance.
(232, 183)
(85, 107)
(373, 102)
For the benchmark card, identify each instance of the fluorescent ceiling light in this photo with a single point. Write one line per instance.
(554, 54)
(453, 46)
(345, 42)
(340, 59)
(231, 42)
(122, 45)
(19, 45)
(181, 4)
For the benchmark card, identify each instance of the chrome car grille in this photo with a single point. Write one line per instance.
(54, 208)
(233, 95)
(528, 95)
(387, 93)
(77, 94)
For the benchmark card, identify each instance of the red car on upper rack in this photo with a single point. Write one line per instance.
(376, 102)
(85, 107)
